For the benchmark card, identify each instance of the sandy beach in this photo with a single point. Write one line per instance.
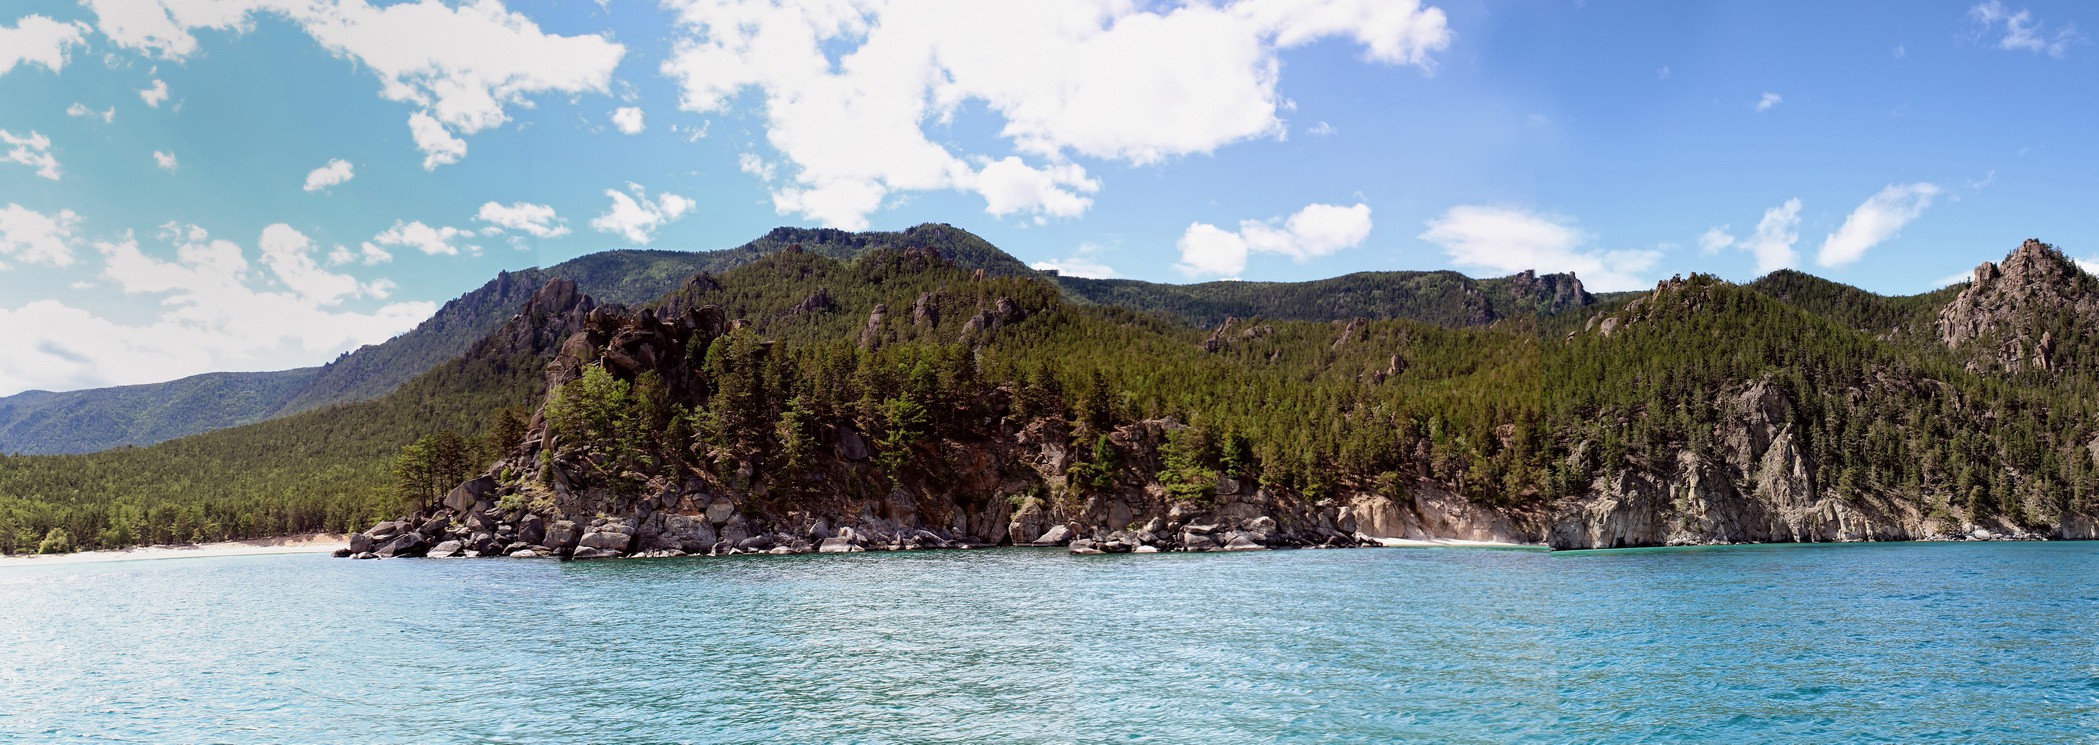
(309, 543)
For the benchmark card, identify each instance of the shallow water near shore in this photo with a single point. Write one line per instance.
(1902, 642)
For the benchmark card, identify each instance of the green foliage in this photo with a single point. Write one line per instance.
(56, 541)
(1097, 471)
(1184, 465)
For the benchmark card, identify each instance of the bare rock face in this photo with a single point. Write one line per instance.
(2004, 315)
(871, 334)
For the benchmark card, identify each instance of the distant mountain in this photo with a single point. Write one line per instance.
(1445, 298)
(41, 422)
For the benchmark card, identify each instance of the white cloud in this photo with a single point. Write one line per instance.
(214, 316)
(154, 95)
(2021, 33)
(79, 109)
(1880, 218)
(367, 254)
(335, 171)
(434, 241)
(438, 145)
(1321, 129)
(36, 238)
(892, 68)
(38, 40)
(1714, 240)
(627, 119)
(637, 218)
(2089, 265)
(1010, 185)
(459, 64)
(165, 160)
(1664, 73)
(33, 150)
(1084, 261)
(1772, 244)
(1768, 102)
(536, 220)
(1508, 240)
(752, 164)
(1901, 51)
(1317, 230)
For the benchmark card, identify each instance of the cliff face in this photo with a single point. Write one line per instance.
(2010, 316)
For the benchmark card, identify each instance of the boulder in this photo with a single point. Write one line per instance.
(851, 446)
(1196, 542)
(838, 545)
(587, 552)
(434, 527)
(1084, 546)
(1055, 536)
(1145, 550)
(343, 553)
(405, 544)
(462, 497)
(364, 555)
(532, 529)
(1242, 543)
(756, 543)
(447, 549)
(384, 530)
(721, 511)
(562, 534)
(361, 543)
(525, 554)
(606, 540)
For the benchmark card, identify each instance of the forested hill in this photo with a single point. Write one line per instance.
(43, 422)
(1442, 298)
(40, 422)
(918, 401)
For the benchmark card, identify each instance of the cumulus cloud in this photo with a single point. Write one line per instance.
(627, 119)
(165, 160)
(1768, 102)
(637, 217)
(79, 109)
(38, 40)
(33, 150)
(216, 314)
(1507, 240)
(435, 241)
(154, 95)
(536, 220)
(32, 237)
(892, 68)
(461, 65)
(1317, 230)
(754, 165)
(335, 171)
(1771, 244)
(1084, 261)
(438, 145)
(2018, 31)
(1880, 218)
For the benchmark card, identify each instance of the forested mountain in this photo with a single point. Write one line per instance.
(41, 422)
(916, 401)
(1442, 298)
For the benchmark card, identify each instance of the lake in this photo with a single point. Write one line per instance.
(1888, 642)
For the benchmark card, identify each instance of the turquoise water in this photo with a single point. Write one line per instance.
(1864, 643)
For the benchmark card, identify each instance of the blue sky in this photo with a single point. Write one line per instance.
(196, 185)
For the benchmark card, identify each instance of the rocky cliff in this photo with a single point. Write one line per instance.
(2024, 314)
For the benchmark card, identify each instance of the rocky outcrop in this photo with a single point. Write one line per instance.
(2006, 317)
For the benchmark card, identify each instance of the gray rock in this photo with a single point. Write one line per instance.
(838, 545)
(364, 555)
(1145, 550)
(343, 553)
(588, 552)
(525, 554)
(447, 549)
(463, 496)
(532, 529)
(405, 544)
(1055, 536)
(1197, 542)
(1201, 528)
(1084, 546)
(384, 530)
(720, 511)
(361, 543)
(605, 540)
(756, 543)
(851, 446)
(1242, 543)
(562, 534)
